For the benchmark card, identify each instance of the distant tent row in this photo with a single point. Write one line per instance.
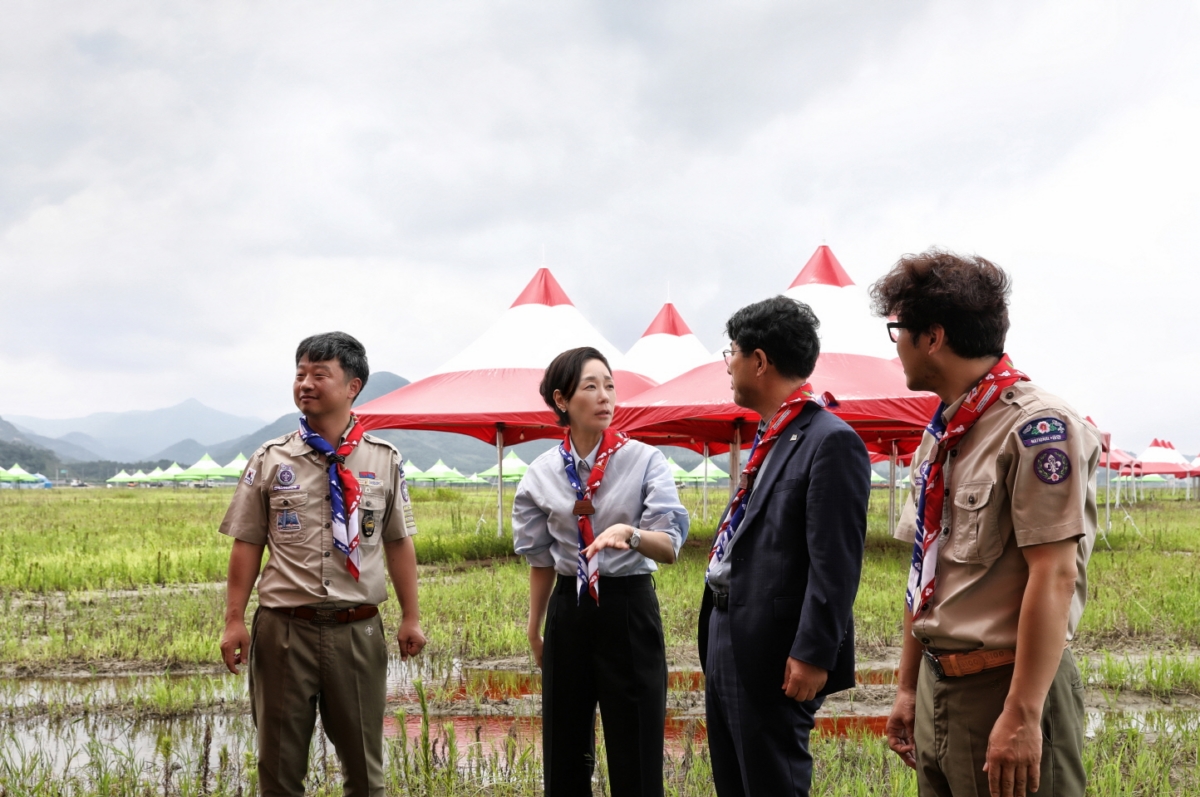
(18, 475)
(206, 469)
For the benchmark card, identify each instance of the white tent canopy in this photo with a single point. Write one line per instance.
(1162, 458)
(667, 348)
(539, 325)
(843, 308)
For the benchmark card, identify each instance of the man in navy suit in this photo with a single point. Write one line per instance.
(776, 633)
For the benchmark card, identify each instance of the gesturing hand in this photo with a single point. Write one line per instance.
(615, 536)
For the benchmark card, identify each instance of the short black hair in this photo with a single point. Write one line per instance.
(563, 375)
(786, 331)
(339, 346)
(965, 294)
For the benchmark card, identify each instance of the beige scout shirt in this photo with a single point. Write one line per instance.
(283, 502)
(1007, 488)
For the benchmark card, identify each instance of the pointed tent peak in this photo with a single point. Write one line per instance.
(668, 322)
(543, 289)
(822, 269)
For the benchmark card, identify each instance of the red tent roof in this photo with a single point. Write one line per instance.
(822, 269)
(668, 322)
(698, 407)
(479, 404)
(543, 289)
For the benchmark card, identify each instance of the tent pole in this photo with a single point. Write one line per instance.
(499, 480)
(1107, 493)
(892, 491)
(706, 482)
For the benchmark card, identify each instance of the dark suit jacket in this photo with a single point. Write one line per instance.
(798, 557)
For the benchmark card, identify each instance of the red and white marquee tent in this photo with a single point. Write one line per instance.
(1162, 459)
(489, 391)
(844, 309)
(667, 348)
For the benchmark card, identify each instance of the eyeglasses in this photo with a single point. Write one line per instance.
(893, 328)
(728, 355)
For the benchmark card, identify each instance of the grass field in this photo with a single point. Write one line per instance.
(108, 581)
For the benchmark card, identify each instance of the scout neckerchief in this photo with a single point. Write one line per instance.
(344, 491)
(587, 571)
(932, 483)
(764, 441)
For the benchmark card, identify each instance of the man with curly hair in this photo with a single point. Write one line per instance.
(1002, 518)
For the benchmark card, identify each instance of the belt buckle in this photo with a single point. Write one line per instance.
(935, 665)
(324, 616)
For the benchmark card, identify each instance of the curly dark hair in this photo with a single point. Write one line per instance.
(786, 331)
(563, 374)
(966, 295)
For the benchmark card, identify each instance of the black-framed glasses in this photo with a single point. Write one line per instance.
(728, 355)
(893, 328)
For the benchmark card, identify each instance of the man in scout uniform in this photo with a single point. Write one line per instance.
(1002, 518)
(332, 506)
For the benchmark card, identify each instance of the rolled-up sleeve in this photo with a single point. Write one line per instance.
(531, 528)
(663, 511)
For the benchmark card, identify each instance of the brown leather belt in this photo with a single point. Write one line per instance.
(329, 616)
(956, 665)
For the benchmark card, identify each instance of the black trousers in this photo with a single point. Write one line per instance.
(758, 739)
(612, 655)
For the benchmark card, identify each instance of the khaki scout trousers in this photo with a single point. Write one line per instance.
(298, 667)
(955, 717)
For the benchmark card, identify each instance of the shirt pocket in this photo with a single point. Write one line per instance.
(288, 521)
(975, 536)
(370, 519)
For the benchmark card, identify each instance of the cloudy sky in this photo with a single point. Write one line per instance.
(187, 189)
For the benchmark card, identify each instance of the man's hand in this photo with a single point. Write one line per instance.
(235, 645)
(802, 681)
(411, 638)
(900, 724)
(1014, 756)
(536, 643)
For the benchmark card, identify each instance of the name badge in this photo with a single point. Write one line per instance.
(584, 508)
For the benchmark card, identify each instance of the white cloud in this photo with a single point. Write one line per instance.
(185, 191)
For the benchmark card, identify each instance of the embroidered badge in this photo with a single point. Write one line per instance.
(284, 488)
(1052, 466)
(366, 474)
(249, 477)
(368, 523)
(286, 475)
(1043, 430)
(287, 520)
(403, 484)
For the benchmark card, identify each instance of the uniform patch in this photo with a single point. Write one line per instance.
(1052, 466)
(403, 485)
(367, 526)
(287, 520)
(366, 474)
(1043, 430)
(249, 477)
(286, 475)
(284, 487)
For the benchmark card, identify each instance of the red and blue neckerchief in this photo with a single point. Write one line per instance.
(587, 571)
(764, 441)
(344, 492)
(931, 481)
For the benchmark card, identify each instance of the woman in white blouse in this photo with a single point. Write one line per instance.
(592, 517)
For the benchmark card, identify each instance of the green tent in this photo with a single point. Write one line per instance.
(154, 475)
(696, 474)
(514, 468)
(170, 473)
(441, 473)
(877, 479)
(236, 467)
(474, 479)
(21, 474)
(139, 477)
(205, 469)
(121, 478)
(678, 473)
(412, 473)
(6, 477)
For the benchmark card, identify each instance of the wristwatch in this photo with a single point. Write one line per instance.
(635, 539)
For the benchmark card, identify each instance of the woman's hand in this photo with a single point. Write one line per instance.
(615, 536)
